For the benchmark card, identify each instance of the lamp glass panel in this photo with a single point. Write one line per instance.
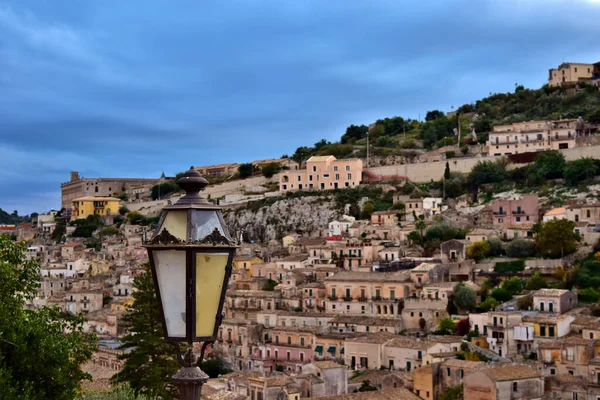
(176, 223)
(170, 269)
(204, 223)
(210, 273)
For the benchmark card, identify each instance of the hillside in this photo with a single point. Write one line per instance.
(403, 136)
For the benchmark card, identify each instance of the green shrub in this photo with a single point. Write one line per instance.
(450, 154)
(509, 266)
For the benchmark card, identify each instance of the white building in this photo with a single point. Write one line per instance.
(337, 228)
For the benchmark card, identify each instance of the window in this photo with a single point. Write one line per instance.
(419, 355)
(335, 167)
(289, 341)
(347, 168)
(347, 293)
(447, 371)
(314, 168)
(302, 342)
(337, 177)
(542, 330)
(299, 178)
(515, 387)
(349, 176)
(462, 373)
(552, 371)
(392, 294)
(551, 331)
(325, 175)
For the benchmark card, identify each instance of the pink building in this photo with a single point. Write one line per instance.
(507, 213)
(323, 173)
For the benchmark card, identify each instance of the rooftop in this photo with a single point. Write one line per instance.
(556, 211)
(550, 292)
(327, 364)
(507, 372)
(92, 198)
(347, 276)
(388, 394)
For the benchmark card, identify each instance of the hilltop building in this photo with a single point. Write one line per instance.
(323, 173)
(102, 187)
(572, 73)
(534, 136)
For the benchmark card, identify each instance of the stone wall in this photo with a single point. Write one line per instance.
(425, 172)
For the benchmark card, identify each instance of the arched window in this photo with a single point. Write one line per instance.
(515, 386)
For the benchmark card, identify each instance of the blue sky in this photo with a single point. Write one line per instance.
(132, 88)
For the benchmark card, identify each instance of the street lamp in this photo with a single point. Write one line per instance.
(191, 255)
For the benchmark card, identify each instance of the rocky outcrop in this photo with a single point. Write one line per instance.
(272, 219)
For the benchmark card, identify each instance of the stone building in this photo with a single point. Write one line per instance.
(101, 187)
(504, 382)
(366, 293)
(323, 173)
(423, 313)
(556, 301)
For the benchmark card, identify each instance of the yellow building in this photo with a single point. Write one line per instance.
(90, 205)
(570, 73)
(242, 265)
(288, 240)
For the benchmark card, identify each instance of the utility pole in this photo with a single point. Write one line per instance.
(367, 148)
(458, 120)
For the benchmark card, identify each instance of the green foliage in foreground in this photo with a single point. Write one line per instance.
(121, 392)
(38, 360)
(151, 362)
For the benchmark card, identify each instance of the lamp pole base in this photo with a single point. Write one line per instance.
(189, 380)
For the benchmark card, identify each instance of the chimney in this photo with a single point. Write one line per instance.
(74, 176)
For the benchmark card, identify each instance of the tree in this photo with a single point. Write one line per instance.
(536, 282)
(486, 172)
(135, 218)
(354, 133)
(271, 169)
(367, 387)
(59, 232)
(478, 251)
(557, 238)
(151, 361)
(123, 210)
(433, 115)
(547, 165)
(447, 171)
(415, 237)
(580, 170)
(465, 297)
(501, 294)
(41, 351)
(490, 303)
(420, 225)
(214, 367)
(513, 285)
(464, 149)
(495, 246)
(245, 170)
(525, 302)
(455, 393)
(521, 248)
(446, 325)
(463, 327)
(367, 210)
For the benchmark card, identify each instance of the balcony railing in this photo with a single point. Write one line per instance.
(500, 212)
(333, 298)
(518, 212)
(363, 298)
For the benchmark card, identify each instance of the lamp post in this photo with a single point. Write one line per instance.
(191, 255)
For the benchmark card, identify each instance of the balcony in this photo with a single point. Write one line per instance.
(347, 298)
(562, 137)
(332, 298)
(518, 212)
(363, 299)
(501, 212)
